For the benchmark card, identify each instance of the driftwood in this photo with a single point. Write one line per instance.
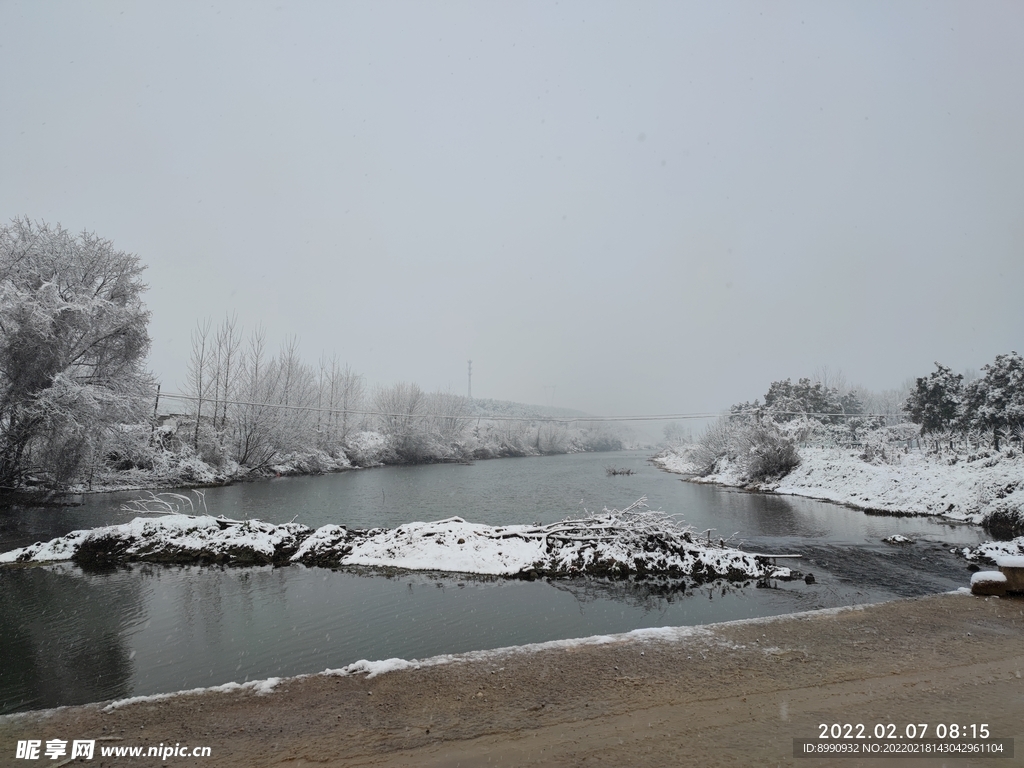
(167, 504)
(634, 522)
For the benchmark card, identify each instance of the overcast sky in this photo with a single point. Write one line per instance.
(619, 207)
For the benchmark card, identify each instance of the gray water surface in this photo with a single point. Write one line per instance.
(71, 636)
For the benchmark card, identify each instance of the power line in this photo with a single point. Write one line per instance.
(552, 419)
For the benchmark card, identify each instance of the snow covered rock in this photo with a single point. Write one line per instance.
(898, 538)
(988, 583)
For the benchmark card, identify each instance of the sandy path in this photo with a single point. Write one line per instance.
(732, 694)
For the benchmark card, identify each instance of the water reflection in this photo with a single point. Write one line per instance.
(64, 638)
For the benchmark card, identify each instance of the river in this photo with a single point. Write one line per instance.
(70, 636)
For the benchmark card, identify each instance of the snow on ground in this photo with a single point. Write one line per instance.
(921, 484)
(259, 687)
(451, 545)
(612, 543)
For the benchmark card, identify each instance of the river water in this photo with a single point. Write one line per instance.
(68, 636)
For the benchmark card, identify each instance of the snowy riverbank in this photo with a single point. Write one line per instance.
(614, 543)
(920, 484)
(988, 489)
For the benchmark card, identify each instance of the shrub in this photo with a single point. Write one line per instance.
(711, 447)
(759, 450)
(765, 453)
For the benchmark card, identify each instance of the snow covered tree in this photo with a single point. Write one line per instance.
(448, 415)
(339, 393)
(73, 337)
(786, 401)
(676, 434)
(996, 400)
(935, 401)
(253, 418)
(400, 409)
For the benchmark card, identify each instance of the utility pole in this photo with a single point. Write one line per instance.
(470, 390)
(551, 397)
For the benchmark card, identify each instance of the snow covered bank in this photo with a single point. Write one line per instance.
(182, 468)
(170, 539)
(996, 552)
(988, 489)
(613, 543)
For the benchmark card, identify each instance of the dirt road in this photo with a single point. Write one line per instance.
(729, 695)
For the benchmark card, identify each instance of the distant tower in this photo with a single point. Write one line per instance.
(470, 391)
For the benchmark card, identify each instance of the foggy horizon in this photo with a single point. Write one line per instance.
(616, 209)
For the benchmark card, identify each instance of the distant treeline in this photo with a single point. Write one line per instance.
(254, 409)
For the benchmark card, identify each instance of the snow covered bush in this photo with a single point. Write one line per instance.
(756, 450)
(764, 452)
(712, 447)
(366, 448)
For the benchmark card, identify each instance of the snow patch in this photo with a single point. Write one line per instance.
(987, 577)
(898, 538)
(994, 550)
(259, 687)
(1009, 561)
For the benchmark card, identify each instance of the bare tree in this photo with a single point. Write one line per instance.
(350, 398)
(449, 415)
(399, 414)
(200, 367)
(340, 392)
(295, 422)
(254, 421)
(228, 345)
(831, 378)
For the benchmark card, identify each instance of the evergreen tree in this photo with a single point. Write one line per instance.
(935, 403)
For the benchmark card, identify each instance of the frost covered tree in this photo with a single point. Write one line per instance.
(227, 350)
(339, 395)
(253, 418)
(449, 415)
(200, 374)
(73, 337)
(935, 401)
(786, 401)
(996, 400)
(400, 409)
(676, 434)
